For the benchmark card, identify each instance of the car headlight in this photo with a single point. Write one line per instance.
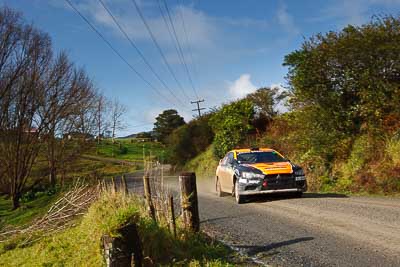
(299, 172)
(252, 175)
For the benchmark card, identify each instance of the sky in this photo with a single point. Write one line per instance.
(225, 50)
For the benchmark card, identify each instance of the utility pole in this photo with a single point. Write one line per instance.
(198, 109)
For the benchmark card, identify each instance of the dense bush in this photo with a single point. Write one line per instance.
(231, 124)
(189, 140)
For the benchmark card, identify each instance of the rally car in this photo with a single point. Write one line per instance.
(252, 171)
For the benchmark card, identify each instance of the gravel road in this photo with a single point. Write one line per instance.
(316, 230)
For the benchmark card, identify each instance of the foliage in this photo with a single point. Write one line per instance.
(230, 124)
(344, 95)
(166, 122)
(265, 100)
(189, 140)
(393, 149)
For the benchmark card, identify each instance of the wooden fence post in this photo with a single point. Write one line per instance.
(171, 210)
(113, 184)
(147, 194)
(124, 185)
(189, 201)
(117, 251)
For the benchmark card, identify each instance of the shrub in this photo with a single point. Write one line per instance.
(393, 149)
(231, 124)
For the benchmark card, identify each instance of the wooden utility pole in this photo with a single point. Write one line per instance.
(189, 201)
(147, 194)
(198, 109)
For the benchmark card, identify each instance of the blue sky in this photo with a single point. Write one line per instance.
(231, 47)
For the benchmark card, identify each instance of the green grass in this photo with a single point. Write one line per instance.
(40, 202)
(128, 149)
(204, 164)
(28, 211)
(80, 245)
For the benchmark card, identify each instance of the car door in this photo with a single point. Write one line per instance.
(229, 172)
(226, 172)
(221, 172)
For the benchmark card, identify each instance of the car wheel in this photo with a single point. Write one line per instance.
(218, 187)
(239, 198)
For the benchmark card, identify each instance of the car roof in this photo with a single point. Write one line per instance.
(247, 150)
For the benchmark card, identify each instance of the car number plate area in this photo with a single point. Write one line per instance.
(300, 178)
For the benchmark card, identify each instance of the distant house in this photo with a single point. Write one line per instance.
(79, 136)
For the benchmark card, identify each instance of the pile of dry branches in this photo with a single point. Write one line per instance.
(60, 216)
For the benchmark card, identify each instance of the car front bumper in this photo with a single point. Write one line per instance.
(258, 188)
(255, 192)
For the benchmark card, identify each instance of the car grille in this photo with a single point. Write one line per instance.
(280, 181)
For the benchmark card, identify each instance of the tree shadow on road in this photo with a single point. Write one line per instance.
(253, 250)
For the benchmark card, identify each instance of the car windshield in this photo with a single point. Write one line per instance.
(260, 157)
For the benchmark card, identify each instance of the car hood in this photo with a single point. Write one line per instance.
(273, 167)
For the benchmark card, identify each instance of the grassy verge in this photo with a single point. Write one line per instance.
(80, 245)
(128, 149)
(204, 164)
(35, 203)
(28, 211)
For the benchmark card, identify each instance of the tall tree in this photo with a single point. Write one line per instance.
(41, 98)
(118, 110)
(344, 84)
(166, 122)
(24, 64)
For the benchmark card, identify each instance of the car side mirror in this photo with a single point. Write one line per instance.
(220, 162)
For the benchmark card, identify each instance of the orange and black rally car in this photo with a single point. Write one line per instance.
(244, 172)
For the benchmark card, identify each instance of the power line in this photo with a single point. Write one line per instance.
(157, 45)
(138, 50)
(180, 49)
(170, 34)
(187, 40)
(198, 109)
(115, 50)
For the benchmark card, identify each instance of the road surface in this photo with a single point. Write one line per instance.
(316, 230)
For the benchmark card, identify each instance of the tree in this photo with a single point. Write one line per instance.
(42, 97)
(101, 109)
(117, 112)
(190, 139)
(265, 100)
(345, 84)
(231, 124)
(166, 122)
(25, 57)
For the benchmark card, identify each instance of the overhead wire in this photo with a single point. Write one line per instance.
(116, 52)
(170, 32)
(187, 39)
(139, 11)
(121, 29)
(180, 48)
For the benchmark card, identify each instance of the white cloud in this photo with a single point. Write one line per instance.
(281, 106)
(241, 87)
(286, 20)
(353, 12)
